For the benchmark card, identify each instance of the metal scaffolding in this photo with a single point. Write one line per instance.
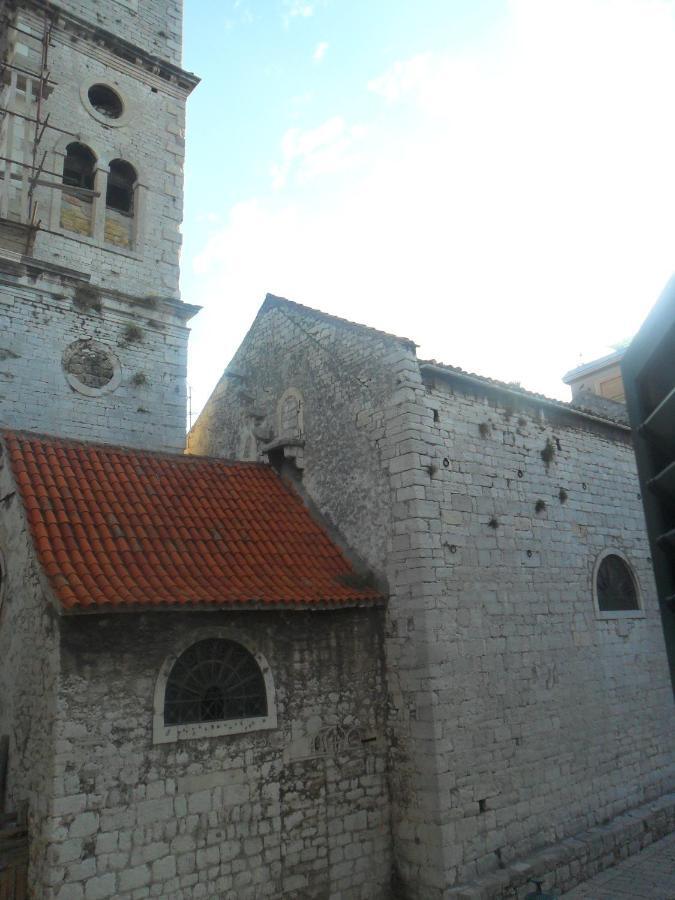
(23, 125)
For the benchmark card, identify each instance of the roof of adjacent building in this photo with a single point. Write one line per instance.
(594, 365)
(118, 528)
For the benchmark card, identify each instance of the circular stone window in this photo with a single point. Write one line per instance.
(615, 585)
(91, 368)
(105, 101)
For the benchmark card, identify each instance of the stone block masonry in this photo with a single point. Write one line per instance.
(54, 325)
(518, 715)
(297, 811)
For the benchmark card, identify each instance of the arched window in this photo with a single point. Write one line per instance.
(121, 183)
(615, 587)
(119, 204)
(215, 686)
(290, 414)
(79, 166)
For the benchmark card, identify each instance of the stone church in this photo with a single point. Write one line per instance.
(388, 629)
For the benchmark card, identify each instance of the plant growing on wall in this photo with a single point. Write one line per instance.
(548, 453)
(87, 298)
(132, 334)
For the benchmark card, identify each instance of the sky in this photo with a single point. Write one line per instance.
(493, 179)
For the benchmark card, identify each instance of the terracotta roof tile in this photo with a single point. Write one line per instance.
(116, 528)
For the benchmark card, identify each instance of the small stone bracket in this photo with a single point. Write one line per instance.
(293, 448)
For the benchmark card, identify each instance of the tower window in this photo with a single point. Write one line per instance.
(121, 182)
(105, 101)
(78, 166)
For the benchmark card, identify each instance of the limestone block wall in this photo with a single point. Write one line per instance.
(293, 811)
(141, 346)
(28, 673)
(153, 25)
(546, 717)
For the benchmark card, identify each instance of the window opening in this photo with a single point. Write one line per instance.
(78, 166)
(120, 192)
(214, 680)
(105, 101)
(615, 585)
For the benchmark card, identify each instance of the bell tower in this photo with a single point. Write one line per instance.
(93, 335)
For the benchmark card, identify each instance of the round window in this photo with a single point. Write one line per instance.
(91, 368)
(615, 586)
(105, 101)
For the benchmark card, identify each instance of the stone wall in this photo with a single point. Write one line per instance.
(28, 674)
(153, 25)
(298, 811)
(548, 717)
(141, 397)
(517, 716)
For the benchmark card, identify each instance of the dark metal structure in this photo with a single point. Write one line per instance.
(648, 369)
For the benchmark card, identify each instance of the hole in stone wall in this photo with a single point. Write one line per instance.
(482, 806)
(436, 416)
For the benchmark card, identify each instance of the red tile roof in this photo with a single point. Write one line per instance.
(117, 528)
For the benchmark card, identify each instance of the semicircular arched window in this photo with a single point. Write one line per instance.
(615, 585)
(79, 169)
(214, 680)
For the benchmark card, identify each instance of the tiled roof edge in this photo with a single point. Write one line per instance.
(125, 448)
(520, 392)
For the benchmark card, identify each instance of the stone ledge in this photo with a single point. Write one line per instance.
(575, 859)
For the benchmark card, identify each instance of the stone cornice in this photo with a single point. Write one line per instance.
(123, 50)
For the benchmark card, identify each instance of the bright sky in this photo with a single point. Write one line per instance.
(494, 179)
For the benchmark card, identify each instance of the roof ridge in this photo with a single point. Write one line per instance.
(63, 440)
(275, 300)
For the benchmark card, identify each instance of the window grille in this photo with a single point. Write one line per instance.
(214, 680)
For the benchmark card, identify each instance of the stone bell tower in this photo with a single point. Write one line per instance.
(93, 334)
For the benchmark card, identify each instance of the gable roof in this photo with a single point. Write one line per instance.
(271, 301)
(118, 528)
(615, 417)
